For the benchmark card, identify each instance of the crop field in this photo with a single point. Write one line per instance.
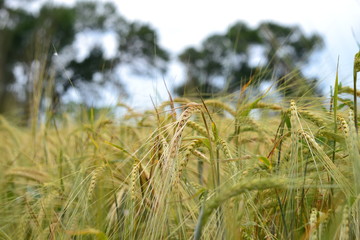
(256, 136)
(232, 167)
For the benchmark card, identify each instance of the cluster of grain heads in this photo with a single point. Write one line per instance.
(209, 170)
(169, 161)
(190, 149)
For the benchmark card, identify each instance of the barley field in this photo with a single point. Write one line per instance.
(230, 167)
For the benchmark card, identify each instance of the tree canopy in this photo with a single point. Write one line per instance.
(226, 59)
(26, 37)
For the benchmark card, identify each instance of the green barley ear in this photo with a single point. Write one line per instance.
(313, 231)
(357, 62)
(312, 118)
(218, 104)
(344, 227)
(356, 70)
(200, 129)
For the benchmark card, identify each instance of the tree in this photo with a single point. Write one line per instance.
(225, 59)
(27, 38)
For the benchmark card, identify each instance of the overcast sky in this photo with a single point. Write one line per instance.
(186, 23)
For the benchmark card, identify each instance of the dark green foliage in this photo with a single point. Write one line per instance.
(55, 28)
(59, 24)
(140, 42)
(84, 70)
(227, 58)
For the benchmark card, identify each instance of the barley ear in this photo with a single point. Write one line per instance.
(356, 70)
(313, 232)
(345, 228)
(94, 178)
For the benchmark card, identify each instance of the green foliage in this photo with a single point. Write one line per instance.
(27, 38)
(226, 59)
(58, 23)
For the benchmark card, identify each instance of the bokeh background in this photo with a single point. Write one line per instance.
(99, 53)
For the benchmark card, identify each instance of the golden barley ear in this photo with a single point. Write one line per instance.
(349, 90)
(95, 174)
(175, 142)
(312, 118)
(187, 152)
(200, 129)
(220, 105)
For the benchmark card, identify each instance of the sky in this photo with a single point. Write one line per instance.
(188, 22)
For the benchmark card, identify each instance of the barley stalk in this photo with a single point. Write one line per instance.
(331, 168)
(235, 190)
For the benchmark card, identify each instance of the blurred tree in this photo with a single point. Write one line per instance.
(226, 60)
(28, 38)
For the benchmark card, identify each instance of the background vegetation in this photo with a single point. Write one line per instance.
(44, 45)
